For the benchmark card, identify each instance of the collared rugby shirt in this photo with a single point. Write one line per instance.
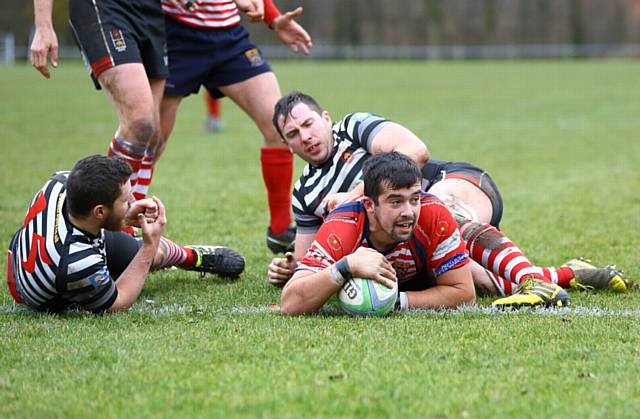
(435, 247)
(56, 264)
(341, 173)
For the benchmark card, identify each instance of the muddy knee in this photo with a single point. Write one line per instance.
(141, 131)
(483, 234)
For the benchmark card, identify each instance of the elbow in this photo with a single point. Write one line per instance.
(290, 304)
(468, 296)
(293, 304)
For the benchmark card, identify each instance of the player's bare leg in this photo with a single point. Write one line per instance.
(474, 203)
(257, 96)
(130, 92)
(168, 110)
(136, 101)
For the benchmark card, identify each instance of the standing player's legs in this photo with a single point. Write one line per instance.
(168, 109)
(135, 99)
(123, 45)
(257, 96)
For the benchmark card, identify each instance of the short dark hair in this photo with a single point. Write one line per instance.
(95, 180)
(393, 169)
(286, 104)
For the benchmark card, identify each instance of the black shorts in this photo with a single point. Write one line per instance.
(209, 57)
(436, 170)
(113, 32)
(121, 248)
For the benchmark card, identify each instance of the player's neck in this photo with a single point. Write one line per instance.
(87, 224)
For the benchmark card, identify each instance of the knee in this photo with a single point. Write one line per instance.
(142, 130)
(470, 230)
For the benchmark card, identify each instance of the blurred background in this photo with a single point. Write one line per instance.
(438, 29)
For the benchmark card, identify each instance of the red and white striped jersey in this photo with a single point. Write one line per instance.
(435, 247)
(209, 14)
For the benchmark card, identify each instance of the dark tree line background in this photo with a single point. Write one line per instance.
(421, 22)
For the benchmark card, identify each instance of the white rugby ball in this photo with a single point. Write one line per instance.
(365, 297)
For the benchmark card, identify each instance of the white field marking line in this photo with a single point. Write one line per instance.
(151, 308)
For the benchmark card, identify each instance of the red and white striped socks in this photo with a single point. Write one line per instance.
(176, 255)
(141, 162)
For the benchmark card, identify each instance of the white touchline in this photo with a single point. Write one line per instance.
(199, 309)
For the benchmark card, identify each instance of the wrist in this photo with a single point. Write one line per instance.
(402, 303)
(340, 272)
(271, 13)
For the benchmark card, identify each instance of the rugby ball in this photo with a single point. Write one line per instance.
(365, 297)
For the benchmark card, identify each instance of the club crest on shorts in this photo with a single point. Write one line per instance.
(254, 57)
(118, 40)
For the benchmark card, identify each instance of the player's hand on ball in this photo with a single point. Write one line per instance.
(281, 269)
(369, 263)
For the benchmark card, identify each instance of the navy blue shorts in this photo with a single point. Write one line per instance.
(209, 57)
(437, 170)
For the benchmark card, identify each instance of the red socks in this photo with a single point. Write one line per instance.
(213, 105)
(277, 173)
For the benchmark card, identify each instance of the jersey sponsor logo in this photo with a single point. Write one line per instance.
(56, 237)
(99, 278)
(343, 219)
(450, 244)
(450, 263)
(118, 40)
(254, 57)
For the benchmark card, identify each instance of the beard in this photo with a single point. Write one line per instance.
(113, 222)
(392, 232)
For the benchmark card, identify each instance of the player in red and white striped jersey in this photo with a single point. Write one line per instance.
(207, 46)
(395, 232)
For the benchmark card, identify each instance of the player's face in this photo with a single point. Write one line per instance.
(397, 214)
(308, 134)
(114, 220)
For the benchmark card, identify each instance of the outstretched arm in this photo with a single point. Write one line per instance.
(307, 291)
(45, 41)
(290, 32)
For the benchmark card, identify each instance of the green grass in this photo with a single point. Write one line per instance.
(559, 137)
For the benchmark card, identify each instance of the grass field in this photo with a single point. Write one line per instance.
(559, 137)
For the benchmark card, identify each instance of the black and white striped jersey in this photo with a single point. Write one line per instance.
(352, 136)
(55, 264)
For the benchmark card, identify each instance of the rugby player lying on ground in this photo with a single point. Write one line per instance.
(335, 153)
(70, 250)
(395, 232)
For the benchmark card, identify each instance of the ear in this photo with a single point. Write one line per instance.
(99, 212)
(326, 117)
(368, 203)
